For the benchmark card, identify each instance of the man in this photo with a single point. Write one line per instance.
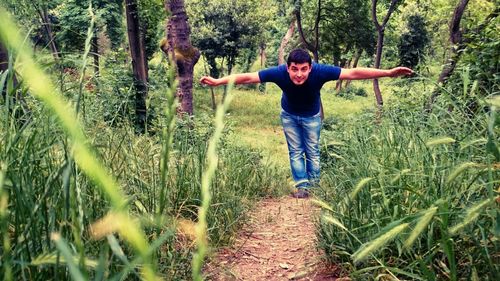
(301, 82)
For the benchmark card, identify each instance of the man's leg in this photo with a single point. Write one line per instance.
(294, 139)
(312, 129)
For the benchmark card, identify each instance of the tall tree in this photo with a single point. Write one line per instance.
(36, 15)
(458, 43)
(346, 32)
(313, 46)
(42, 10)
(183, 53)
(380, 44)
(139, 63)
(285, 40)
(227, 29)
(108, 15)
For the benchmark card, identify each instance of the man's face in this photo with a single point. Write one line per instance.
(299, 72)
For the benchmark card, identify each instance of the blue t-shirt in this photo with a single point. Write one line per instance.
(302, 100)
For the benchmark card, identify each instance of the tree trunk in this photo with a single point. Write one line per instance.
(263, 59)
(11, 83)
(456, 40)
(230, 64)
(4, 65)
(4, 58)
(285, 40)
(355, 61)
(313, 47)
(47, 24)
(182, 52)
(456, 47)
(344, 63)
(262, 54)
(380, 44)
(139, 64)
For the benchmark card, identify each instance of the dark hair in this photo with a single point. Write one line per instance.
(298, 56)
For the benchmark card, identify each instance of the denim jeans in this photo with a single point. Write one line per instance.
(302, 137)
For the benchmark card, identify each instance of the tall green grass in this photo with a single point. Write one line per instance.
(115, 213)
(413, 198)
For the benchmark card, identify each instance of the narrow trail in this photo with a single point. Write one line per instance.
(278, 243)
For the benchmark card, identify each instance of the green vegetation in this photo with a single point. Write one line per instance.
(59, 201)
(412, 195)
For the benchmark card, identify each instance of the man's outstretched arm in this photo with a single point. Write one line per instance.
(241, 78)
(372, 73)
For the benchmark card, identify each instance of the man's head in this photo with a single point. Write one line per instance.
(299, 66)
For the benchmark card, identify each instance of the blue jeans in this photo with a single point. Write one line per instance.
(302, 137)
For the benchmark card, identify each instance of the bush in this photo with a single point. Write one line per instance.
(350, 92)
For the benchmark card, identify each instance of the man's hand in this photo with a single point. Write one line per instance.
(210, 81)
(400, 71)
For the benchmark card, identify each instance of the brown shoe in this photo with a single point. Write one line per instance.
(301, 193)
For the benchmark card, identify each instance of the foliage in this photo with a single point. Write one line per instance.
(413, 43)
(346, 27)
(152, 18)
(481, 58)
(275, 30)
(415, 195)
(109, 17)
(477, 69)
(223, 29)
(74, 20)
(28, 14)
(53, 232)
(351, 91)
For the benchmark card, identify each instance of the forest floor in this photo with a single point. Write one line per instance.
(277, 243)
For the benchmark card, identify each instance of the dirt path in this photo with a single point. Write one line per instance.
(278, 243)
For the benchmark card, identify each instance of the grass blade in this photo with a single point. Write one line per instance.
(212, 160)
(460, 169)
(471, 215)
(322, 204)
(439, 141)
(421, 225)
(358, 187)
(68, 257)
(372, 246)
(334, 221)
